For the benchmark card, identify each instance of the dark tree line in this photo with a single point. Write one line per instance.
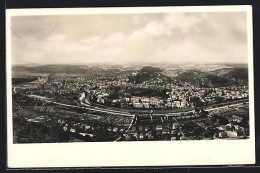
(32, 132)
(16, 81)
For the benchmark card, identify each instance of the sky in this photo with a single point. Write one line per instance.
(199, 37)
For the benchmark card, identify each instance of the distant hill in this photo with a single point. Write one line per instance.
(205, 79)
(51, 68)
(191, 75)
(239, 73)
(20, 68)
(112, 71)
(149, 69)
(238, 65)
(221, 72)
(58, 69)
(122, 73)
(66, 69)
(148, 73)
(217, 81)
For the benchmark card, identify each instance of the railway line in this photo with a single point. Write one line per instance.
(116, 112)
(82, 107)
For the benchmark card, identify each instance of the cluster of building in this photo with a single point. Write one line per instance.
(74, 89)
(179, 97)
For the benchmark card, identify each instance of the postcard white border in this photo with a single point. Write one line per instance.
(93, 154)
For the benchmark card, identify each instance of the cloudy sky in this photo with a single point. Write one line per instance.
(212, 37)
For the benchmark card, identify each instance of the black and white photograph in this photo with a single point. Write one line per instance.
(131, 76)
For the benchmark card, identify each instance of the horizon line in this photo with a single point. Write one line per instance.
(131, 63)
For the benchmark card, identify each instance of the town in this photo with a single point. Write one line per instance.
(122, 103)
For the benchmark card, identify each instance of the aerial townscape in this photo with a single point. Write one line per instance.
(129, 102)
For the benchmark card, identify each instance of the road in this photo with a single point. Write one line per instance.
(103, 110)
(227, 106)
(87, 107)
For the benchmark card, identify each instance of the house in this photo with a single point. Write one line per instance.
(159, 127)
(231, 134)
(115, 129)
(109, 129)
(177, 104)
(72, 130)
(141, 136)
(127, 99)
(138, 105)
(173, 138)
(146, 105)
(175, 126)
(135, 99)
(83, 134)
(236, 118)
(145, 99)
(65, 128)
(87, 127)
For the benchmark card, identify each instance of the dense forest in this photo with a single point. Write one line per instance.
(239, 73)
(16, 81)
(204, 79)
(147, 74)
(148, 69)
(30, 132)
